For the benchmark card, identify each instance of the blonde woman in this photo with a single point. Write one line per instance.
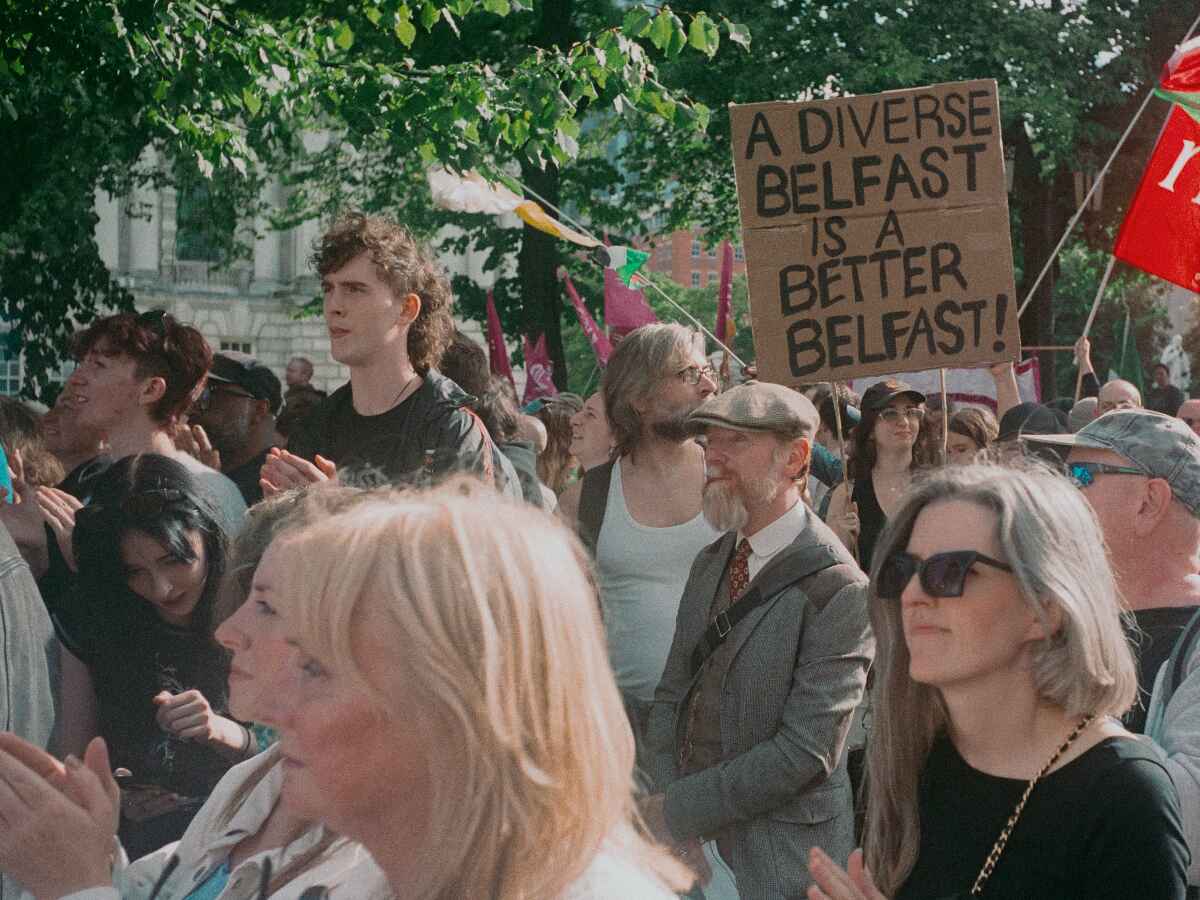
(995, 764)
(451, 706)
(247, 841)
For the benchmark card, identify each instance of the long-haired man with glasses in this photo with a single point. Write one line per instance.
(1140, 472)
(640, 513)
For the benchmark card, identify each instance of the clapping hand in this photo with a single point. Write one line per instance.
(57, 822)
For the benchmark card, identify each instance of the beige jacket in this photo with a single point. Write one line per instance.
(346, 871)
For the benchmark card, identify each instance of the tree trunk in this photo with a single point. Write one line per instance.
(537, 271)
(538, 261)
(1040, 231)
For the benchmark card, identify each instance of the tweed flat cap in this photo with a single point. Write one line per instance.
(757, 406)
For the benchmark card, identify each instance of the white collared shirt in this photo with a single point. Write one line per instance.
(768, 541)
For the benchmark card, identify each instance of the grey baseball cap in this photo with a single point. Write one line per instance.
(757, 406)
(1161, 446)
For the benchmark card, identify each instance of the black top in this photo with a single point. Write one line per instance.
(246, 478)
(1160, 629)
(419, 441)
(870, 520)
(1106, 825)
(132, 654)
(1165, 400)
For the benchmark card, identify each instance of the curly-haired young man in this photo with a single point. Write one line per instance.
(387, 307)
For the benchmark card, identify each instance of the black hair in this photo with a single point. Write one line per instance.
(157, 496)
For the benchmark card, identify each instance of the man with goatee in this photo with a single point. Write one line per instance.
(747, 734)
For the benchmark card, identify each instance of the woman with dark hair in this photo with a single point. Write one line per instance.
(883, 454)
(143, 669)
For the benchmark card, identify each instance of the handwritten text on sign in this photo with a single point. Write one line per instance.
(876, 232)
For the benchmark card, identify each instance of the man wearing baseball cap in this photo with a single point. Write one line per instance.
(237, 410)
(1140, 471)
(768, 663)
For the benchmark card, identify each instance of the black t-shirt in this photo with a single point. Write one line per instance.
(246, 478)
(1160, 628)
(1106, 825)
(132, 655)
(419, 441)
(1165, 400)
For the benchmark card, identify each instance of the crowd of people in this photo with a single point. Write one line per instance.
(676, 638)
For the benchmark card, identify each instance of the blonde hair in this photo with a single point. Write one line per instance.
(504, 654)
(1047, 533)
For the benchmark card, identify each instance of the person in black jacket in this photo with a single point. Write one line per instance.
(387, 306)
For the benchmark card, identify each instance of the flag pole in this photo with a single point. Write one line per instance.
(1112, 261)
(1095, 186)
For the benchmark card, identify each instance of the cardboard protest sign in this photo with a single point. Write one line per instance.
(876, 232)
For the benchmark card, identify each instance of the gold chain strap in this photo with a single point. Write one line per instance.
(998, 848)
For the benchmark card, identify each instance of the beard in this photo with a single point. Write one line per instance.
(672, 427)
(726, 504)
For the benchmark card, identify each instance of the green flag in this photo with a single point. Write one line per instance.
(1126, 363)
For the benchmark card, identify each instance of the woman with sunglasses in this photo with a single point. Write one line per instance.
(881, 461)
(995, 763)
(143, 670)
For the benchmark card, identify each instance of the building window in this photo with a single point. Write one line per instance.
(738, 253)
(238, 347)
(712, 277)
(695, 249)
(695, 279)
(10, 370)
(712, 252)
(205, 220)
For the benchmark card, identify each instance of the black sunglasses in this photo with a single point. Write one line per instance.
(155, 320)
(942, 575)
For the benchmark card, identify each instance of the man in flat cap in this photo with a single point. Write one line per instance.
(747, 733)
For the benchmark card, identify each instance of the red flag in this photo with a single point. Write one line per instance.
(624, 308)
(600, 343)
(726, 327)
(1160, 229)
(539, 371)
(497, 351)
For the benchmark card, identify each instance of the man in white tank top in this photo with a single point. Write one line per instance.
(653, 526)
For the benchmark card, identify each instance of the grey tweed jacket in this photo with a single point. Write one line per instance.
(798, 672)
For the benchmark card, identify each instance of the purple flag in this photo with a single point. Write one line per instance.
(600, 343)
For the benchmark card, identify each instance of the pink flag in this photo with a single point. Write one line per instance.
(624, 308)
(539, 371)
(497, 351)
(600, 343)
(726, 328)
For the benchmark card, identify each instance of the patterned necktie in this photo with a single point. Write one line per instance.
(739, 571)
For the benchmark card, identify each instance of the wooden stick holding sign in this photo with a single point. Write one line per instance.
(841, 437)
(1112, 261)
